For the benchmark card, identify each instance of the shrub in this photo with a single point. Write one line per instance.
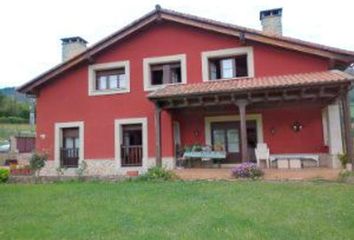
(158, 173)
(4, 175)
(13, 119)
(37, 162)
(343, 158)
(247, 170)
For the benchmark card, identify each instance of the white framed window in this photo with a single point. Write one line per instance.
(109, 78)
(227, 63)
(161, 71)
(131, 137)
(68, 136)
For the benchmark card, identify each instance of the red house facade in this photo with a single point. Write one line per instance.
(169, 80)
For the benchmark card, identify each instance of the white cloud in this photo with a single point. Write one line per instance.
(31, 30)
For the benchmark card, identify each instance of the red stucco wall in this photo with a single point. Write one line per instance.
(66, 98)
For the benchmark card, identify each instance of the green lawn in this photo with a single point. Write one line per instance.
(177, 210)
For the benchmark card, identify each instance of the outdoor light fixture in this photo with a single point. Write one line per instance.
(272, 130)
(196, 133)
(296, 126)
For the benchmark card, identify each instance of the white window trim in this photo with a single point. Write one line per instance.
(118, 138)
(58, 139)
(230, 118)
(164, 59)
(92, 91)
(227, 53)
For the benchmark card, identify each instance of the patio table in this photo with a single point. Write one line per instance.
(204, 156)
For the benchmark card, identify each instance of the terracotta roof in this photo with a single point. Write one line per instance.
(261, 33)
(257, 83)
(160, 14)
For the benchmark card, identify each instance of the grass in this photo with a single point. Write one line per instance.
(7, 130)
(177, 210)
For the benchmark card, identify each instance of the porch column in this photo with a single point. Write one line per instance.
(347, 128)
(158, 135)
(241, 104)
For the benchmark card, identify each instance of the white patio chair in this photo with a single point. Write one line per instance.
(262, 153)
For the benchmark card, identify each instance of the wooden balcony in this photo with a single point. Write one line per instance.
(131, 156)
(69, 157)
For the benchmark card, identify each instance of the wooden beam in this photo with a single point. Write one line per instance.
(241, 104)
(158, 135)
(347, 127)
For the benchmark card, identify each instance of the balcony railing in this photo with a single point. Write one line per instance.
(131, 155)
(69, 157)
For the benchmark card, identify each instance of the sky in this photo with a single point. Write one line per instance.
(31, 30)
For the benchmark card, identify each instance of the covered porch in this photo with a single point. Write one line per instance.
(302, 119)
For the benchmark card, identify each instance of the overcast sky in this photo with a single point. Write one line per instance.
(31, 30)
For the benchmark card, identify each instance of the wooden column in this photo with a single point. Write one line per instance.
(347, 128)
(241, 104)
(158, 135)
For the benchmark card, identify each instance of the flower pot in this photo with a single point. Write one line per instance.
(24, 171)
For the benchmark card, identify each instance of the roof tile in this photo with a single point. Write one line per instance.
(247, 84)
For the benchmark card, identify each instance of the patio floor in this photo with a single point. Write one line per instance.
(269, 174)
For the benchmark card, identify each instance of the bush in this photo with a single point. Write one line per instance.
(343, 158)
(247, 170)
(157, 173)
(4, 175)
(37, 162)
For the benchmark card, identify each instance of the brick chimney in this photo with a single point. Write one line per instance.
(271, 21)
(72, 47)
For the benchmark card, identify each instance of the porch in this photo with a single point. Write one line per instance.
(269, 174)
(301, 114)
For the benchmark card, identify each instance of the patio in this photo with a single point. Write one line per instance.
(269, 174)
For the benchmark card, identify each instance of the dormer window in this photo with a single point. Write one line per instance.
(227, 63)
(109, 78)
(161, 71)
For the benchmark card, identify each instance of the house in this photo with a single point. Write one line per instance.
(171, 79)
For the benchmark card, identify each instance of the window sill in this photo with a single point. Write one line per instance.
(156, 87)
(226, 79)
(108, 92)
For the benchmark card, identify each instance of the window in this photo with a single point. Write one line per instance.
(159, 71)
(69, 147)
(68, 144)
(227, 63)
(165, 73)
(132, 145)
(230, 67)
(109, 78)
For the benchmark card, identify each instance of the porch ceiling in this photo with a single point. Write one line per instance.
(323, 86)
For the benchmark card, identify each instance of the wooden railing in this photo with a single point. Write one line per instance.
(69, 157)
(131, 155)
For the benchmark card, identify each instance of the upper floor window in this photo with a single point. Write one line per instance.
(109, 78)
(159, 71)
(165, 73)
(228, 67)
(227, 63)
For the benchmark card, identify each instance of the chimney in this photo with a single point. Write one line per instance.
(72, 47)
(271, 21)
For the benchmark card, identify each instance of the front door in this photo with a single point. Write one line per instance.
(226, 136)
